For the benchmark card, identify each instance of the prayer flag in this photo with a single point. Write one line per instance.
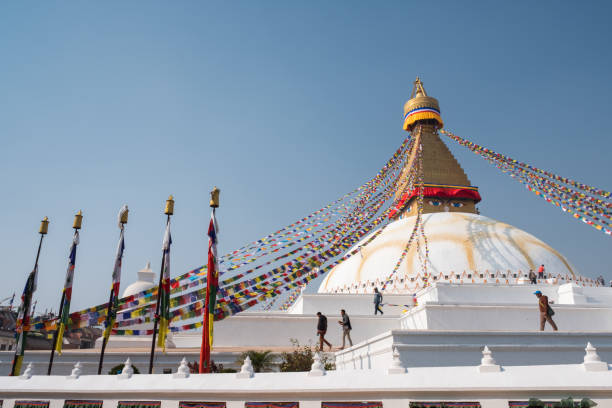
(23, 320)
(212, 286)
(164, 291)
(113, 303)
(63, 319)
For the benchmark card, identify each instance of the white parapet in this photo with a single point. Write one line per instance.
(396, 364)
(246, 371)
(450, 383)
(592, 361)
(487, 363)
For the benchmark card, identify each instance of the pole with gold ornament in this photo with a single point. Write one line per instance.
(162, 308)
(64, 308)
(212, 286)
(113, 300)
(23, 316)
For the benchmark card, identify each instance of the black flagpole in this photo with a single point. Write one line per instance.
(26, 315)
(169, 210)
(78, 218)
(123, 219)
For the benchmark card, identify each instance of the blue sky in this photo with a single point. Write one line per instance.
(283, 105)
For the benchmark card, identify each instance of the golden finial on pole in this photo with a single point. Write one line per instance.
(169, 210)
(214, 197)
(123, 215)
(44, 226)
(78, 219)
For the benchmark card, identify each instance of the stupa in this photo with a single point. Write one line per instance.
(461, 241)
(473, 292)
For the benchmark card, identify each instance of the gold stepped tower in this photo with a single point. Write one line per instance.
(446, 186)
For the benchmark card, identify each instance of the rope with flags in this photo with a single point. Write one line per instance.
(307, 248)
(591, 205)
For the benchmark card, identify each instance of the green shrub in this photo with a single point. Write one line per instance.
(301, 359)
(118, 368)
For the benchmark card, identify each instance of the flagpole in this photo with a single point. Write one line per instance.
(123, 219)
(78, 219)
(169, 210)
(205, 349)
(18, 358)
(56, 333)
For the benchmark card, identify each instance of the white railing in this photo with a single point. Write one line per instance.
(413, 284)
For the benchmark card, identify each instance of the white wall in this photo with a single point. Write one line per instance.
(504, 317)
(354, 304)
(443, 348)
(492, 390)
(467, 293)
(275, 329)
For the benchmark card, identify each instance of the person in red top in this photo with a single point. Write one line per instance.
(546, 311)
(541, 272)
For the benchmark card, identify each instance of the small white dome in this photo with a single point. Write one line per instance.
(457, 242)
(146, 280)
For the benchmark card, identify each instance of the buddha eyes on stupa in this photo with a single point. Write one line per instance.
(457, 204)
(435, 203)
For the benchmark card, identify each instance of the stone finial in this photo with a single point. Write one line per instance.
(488, 364)
(592, 361)
(183, 369)
(76, 371)
(246, 371)
(27, 374)
(396, 364)
(128, 370)
(317, 369)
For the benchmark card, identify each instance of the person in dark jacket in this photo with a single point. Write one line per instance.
(346, 328)
(377, 301)
(532, 277)
(321, 330)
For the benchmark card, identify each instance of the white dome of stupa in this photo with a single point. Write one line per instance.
(457, 242)
(146, 281)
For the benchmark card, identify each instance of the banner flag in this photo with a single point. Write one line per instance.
(212, 286)
(164, 304)
(63, 319)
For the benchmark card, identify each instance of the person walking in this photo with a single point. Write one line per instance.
(377, 301)
(532, 277)
(546, 311)
(346, 328)
(541, 272)
(321, 330)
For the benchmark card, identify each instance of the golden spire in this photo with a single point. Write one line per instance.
(446, 186)
(418, 89)
(421, 108)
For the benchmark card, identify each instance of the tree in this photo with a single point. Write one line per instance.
(301, 359)
(262, 361)
(564, 403)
